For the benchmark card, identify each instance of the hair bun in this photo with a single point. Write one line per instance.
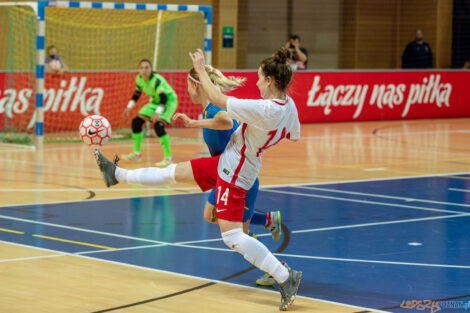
(281, 55)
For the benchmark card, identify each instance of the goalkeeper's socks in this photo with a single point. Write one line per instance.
(165, 142)
(137, 141)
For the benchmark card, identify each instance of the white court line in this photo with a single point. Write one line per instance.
(186, 244)
(261, 187)
(383, 196)
(373, 261)
(323, 137)
(96, 189)
(24, 147)
(320, 137)
(33, 257)
(107, 199)
(365, 180)
(457, 189)
(181, 244)
(193, 277)
(80, 146)
(379, 223)
(38, 164)
(375, 169)
(77, 253)
(163, 243)
(363, 201)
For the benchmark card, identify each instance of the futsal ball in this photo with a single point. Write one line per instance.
(95, 130)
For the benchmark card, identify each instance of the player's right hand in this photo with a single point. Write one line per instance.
(198, 60)
(184, 118)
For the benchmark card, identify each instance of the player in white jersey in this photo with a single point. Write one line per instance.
(264, 123)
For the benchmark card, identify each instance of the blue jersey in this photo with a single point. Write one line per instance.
(216, 141)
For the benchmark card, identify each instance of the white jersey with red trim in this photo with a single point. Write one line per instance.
(263, 123)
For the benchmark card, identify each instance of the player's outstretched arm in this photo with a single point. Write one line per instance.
(214, 94)
(220, 122)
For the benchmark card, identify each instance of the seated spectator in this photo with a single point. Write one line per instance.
(53, 63)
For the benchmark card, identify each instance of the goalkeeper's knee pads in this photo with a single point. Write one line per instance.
(159, 127)
(137, 123)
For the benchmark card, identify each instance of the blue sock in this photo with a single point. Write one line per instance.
(259, 219)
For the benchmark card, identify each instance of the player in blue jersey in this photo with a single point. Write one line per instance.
(217, 130)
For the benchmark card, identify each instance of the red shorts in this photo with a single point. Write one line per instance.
(229, 199)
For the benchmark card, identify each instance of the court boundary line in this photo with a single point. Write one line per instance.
(376, 195)
(366, 135)
(81, 190)
(368, 179)
(458, 189)
(373, 261)
(379, 223)
(365, 201)
(178, 142)
(184, 244)
(190, 276)
(263, 187)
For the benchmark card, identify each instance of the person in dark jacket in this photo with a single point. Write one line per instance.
(417, 53)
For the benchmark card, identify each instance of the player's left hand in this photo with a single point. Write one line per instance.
(198, 60)
(184, 118)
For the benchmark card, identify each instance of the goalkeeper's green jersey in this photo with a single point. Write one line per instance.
(154, 86)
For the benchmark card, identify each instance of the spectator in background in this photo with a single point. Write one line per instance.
(53, 62)
(466, 65)
(417, 53)
(299, 55)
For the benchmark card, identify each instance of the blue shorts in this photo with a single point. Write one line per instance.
(250, 200)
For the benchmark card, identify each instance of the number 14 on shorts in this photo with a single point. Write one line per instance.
(224, 196)
(229, 201)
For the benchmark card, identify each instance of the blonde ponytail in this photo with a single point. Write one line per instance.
(220, 80)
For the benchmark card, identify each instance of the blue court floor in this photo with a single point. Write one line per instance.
(372, 244)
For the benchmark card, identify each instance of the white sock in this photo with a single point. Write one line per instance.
(255, 253)
(150, 176)
(272, 266)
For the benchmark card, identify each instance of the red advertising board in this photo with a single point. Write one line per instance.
(319, 96)
(373, 95)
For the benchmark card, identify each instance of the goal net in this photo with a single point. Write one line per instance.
(100, 45)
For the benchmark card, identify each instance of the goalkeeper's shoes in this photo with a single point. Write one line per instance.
(164, 163)
(132, 157)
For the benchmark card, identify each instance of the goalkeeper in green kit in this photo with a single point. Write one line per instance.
(160, 110)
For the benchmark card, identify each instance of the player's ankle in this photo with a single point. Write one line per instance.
(268, 220)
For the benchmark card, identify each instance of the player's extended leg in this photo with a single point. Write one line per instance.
(137, 136)
(150, 176)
